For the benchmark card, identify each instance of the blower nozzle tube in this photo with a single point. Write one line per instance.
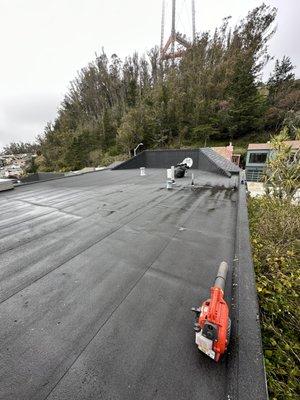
(221, 276)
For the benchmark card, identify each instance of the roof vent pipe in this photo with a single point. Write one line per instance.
(170, 178)
(143, 171)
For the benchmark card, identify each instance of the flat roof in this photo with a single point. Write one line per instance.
(98, 274)
(295, 144)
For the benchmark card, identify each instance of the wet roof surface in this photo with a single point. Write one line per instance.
(98, 273)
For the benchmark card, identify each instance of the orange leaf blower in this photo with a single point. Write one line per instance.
(212, 324)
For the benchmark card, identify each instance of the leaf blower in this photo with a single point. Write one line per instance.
(212, 325)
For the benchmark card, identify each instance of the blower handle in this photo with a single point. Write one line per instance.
(221, 277)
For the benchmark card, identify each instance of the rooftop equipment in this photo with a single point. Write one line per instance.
(213, 324)
(181, 168)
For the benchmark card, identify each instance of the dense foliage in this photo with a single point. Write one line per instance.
(212, 93)
(275, 235)
(21, 148)
(282, 175)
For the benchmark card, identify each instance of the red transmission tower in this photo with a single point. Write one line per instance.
(169, 50)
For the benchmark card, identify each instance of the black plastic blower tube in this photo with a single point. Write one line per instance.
(221, 276)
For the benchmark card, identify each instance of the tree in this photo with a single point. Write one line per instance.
(212, 92)
(129, 132)
(21, 148)
(247, 105)
(292, 123)
(283, 96)
(282, 78)
(249, 43)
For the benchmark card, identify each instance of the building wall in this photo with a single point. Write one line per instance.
(254, 171)
(204, 159)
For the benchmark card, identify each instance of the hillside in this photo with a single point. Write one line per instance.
(211, 96)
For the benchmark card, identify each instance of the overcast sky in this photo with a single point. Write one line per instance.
(43, 43)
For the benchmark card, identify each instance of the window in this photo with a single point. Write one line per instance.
(258, 158)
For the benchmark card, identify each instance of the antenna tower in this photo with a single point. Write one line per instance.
(168, 50)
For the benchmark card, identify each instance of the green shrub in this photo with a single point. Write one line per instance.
(275, 236)
(107, 159)
(282, 178)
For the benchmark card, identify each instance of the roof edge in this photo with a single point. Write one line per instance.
(247, 376)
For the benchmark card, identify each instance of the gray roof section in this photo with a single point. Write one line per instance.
(98, 273)
(220, 161)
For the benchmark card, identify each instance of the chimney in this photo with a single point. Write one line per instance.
(229, 151)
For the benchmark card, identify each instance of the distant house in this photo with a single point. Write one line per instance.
(257, 157)
(227, 152)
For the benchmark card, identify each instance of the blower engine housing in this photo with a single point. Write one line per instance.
(212, 324)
